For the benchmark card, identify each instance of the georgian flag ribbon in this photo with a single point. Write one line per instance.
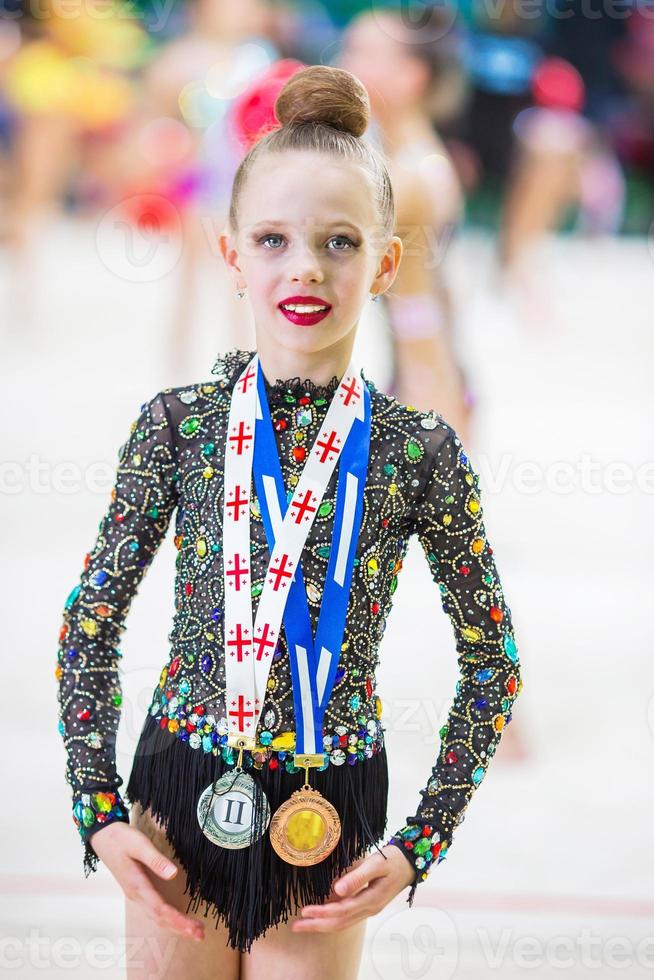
(314, 665)
(248, 648)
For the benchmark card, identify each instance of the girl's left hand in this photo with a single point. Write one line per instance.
(362, 892)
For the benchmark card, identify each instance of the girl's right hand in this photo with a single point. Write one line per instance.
(127, 852)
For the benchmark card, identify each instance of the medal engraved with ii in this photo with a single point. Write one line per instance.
(306, 828)
(226, 810)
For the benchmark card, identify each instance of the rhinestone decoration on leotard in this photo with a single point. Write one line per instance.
(419, 481)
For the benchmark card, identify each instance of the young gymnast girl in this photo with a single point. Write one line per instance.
(259, 785)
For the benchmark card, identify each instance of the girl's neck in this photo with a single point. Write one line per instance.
(319, 366)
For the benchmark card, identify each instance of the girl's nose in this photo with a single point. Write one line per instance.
(306, 269)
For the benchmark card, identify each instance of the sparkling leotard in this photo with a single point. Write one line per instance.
(419, 481)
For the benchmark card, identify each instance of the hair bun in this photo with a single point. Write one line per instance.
(322, 94)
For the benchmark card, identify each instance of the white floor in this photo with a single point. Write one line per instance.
(551, 873)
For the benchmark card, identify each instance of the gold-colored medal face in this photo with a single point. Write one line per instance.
(306, 828)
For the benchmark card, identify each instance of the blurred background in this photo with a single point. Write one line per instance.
(520, 141)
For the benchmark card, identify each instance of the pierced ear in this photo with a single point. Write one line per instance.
(397, 247)
(389, 265)
(223, 245)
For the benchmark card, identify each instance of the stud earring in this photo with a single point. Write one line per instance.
(375, 297)
(240, 293)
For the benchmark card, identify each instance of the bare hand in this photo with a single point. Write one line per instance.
(127, 852)
(362, 892)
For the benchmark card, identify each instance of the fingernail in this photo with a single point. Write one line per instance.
(170, 869)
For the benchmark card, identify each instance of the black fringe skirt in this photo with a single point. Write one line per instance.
(252, 888)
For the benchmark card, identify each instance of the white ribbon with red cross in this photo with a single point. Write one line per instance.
(249, 646)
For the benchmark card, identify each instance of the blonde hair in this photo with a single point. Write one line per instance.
(324, 110)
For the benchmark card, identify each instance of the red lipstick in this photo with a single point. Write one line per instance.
(304, 319)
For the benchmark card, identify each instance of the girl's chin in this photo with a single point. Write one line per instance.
(287, 333)
(303, 340)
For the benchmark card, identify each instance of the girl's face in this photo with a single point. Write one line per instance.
(308, 228)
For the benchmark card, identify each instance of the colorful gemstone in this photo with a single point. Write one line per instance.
(89, 626)
(510, 648)
(473, 505)
(414, 450)
(189, 426)
(314, 594)
(284, 741)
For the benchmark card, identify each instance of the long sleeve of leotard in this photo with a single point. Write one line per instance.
(142, 500)
(449, 523)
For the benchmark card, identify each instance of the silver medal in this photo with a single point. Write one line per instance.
(226, 809)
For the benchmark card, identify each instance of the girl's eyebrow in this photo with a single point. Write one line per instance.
(282, 224)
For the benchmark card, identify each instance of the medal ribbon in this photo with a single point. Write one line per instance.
(314, 664)
(248, 647)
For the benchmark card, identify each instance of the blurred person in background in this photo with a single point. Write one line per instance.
(414, 79)
(187, 151)
(629, 114)
(10, 39)
(69, 88)
(564, 170)
(533, 148)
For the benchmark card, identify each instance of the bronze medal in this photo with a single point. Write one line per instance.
(306, 828)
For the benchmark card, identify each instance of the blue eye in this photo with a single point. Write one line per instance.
(342, 238)
(266, 237)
